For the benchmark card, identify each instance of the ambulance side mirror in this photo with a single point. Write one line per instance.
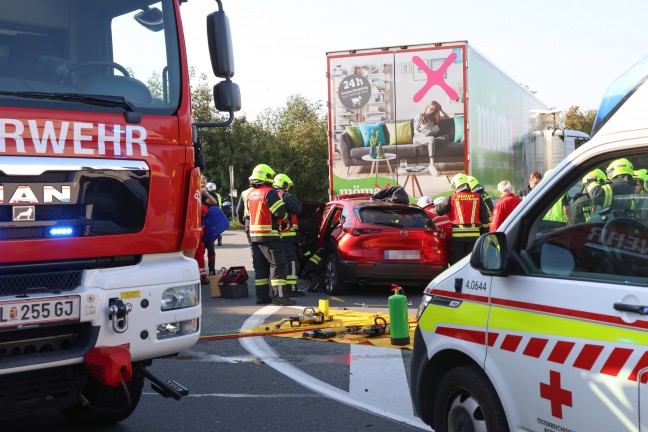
(490, 254)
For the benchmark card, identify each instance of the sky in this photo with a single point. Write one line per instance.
(567, 51)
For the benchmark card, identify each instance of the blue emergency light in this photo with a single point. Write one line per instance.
(61, 231)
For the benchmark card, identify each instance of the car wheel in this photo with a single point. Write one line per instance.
(332, 283)
(105, 404)
(467, 401)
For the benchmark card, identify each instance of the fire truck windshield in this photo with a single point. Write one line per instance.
(102, 48)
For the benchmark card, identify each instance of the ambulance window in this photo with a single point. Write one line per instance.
(597, 228)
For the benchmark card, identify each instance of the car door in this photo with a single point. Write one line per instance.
(567, 331)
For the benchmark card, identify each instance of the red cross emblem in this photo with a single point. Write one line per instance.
(555, 394)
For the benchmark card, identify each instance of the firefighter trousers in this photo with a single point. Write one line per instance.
(292, 263)
(269, 261)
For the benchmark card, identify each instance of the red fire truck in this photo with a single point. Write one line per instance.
(99, 201)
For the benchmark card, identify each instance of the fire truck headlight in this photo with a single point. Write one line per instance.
(425, 301)
(181, 297)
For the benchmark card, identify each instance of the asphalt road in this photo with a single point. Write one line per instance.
(271, 383)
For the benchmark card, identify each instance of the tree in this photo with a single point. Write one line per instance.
(575, 119)
(300, 138)
(291, 139)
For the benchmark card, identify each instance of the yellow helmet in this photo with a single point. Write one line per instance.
(619, 167)
(642, 175)
(262, 173)
(282, 181)
(595, 175)
(459, 182)
(472, 182)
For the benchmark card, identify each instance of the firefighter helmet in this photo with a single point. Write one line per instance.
(262, 173)
(282, 181)
(642, 175)
(594, 175)
(459, 182)
(620, 167)
(211, 187)
(472, 182)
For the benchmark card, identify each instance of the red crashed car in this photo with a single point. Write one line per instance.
(378, 243)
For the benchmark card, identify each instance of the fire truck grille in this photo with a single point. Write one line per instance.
(19, 284)
(71, 197)
(49, 213)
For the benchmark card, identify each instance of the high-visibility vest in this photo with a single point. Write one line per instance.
(465, 214)
(288, 229)
(261, 223)
(244, 195)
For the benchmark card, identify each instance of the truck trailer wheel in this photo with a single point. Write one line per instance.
(332, 283)
(466, 401)
(106, 405)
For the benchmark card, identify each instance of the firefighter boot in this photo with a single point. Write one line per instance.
(294, 292)
(263, 294)
(280, 299)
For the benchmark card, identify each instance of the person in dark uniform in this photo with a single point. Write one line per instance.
(267, 212)
(282, 183)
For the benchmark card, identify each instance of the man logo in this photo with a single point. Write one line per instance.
(24, 213)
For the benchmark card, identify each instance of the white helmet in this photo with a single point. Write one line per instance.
(424, 201)
(211, 186)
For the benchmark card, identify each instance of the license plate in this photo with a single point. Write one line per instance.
(402, 254)
(37, 312)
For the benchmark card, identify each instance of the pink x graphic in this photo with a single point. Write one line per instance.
(435, 77)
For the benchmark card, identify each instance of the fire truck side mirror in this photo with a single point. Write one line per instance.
(220, 44)
(227, 96)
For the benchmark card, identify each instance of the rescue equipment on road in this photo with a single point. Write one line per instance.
(399, 328)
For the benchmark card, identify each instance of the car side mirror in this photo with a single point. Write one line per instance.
(490, 254)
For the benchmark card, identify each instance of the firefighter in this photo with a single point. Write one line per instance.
(620, 196)
(581, 209)
(486, 200)
(282, 183)
(467, 216)
(641, 188)
(267, 212)
(242, 213)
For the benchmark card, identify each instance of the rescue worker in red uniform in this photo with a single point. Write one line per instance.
(467, 216)
(282, 183)
(267, 212)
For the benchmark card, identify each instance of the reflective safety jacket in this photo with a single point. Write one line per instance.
(293, 208)
(487, 203)
(266, 210)
(467, 215)
(242, 211)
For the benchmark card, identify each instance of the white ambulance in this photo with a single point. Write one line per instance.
(545, 326)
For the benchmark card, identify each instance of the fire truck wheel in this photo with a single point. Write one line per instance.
(332, 282)
(106, 405)
(466, 401)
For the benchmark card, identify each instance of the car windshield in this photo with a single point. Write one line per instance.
(72, 53)
(406, 217)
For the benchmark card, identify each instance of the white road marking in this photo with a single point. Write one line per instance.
(378, 377)
(258, 347)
